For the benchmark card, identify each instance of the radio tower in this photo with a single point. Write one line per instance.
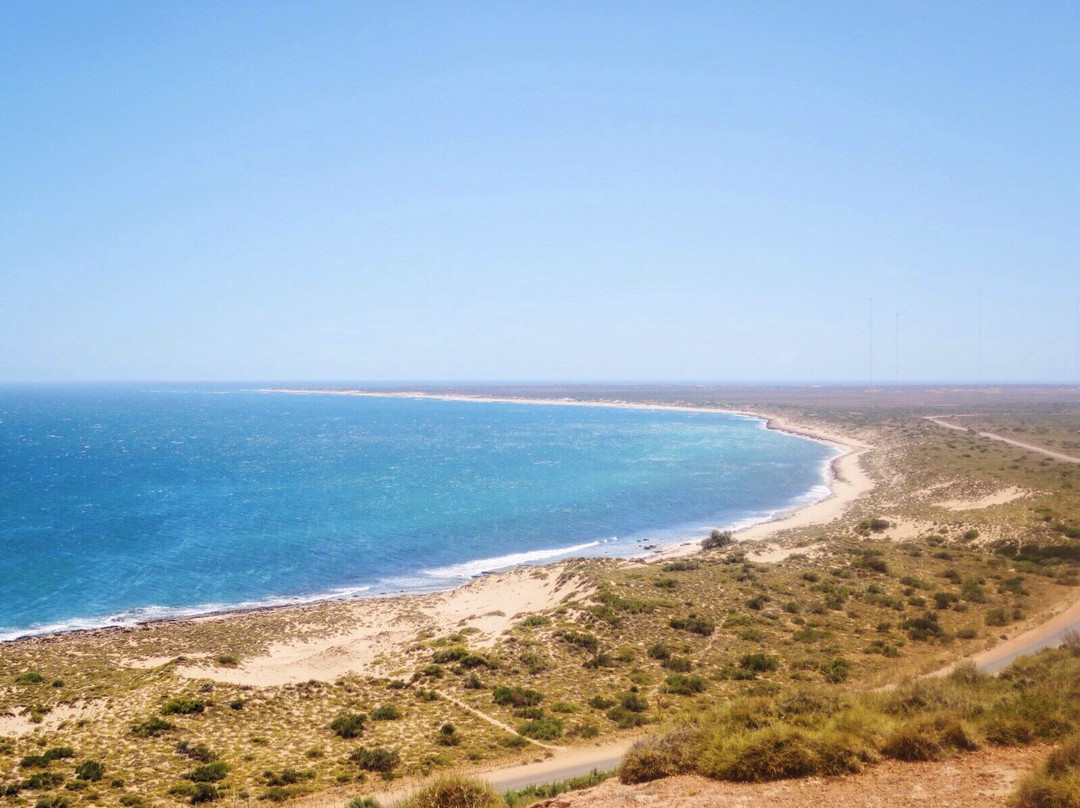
(870, 345)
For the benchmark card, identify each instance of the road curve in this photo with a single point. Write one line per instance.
(1019, 444)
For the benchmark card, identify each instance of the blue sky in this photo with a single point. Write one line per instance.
(577, 191)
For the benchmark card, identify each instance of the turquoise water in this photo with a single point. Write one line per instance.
(120, 504)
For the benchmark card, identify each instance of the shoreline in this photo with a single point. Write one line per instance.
(838, 474)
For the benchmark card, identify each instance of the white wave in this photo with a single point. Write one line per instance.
(481, 565)
(146, 614)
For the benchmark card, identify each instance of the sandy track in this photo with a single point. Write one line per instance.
(1019, 444)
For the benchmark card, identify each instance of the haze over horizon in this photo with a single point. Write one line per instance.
(339, 191)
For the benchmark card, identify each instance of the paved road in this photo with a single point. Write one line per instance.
(1050, 634)
(579, 762)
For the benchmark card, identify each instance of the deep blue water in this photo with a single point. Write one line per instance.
(123, 503)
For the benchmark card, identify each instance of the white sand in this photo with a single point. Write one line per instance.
(1001, 497)
(378, 628)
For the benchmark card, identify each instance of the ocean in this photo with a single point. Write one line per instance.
(126, 503)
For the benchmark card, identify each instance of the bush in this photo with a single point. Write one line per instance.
(677, 664)
(151, 727)
(204, 792)
(208, 772)
(41, 780)
(626, 719)
(681, 565)
(376, 759)
(448, 735)
(516, 697)
(386, 712)
(835, 670)
(929, 738)
(179, 706)
(547, 728)
(362, 802)
(682, 685)
(52, 801)
(91, 770)
(658, 651)
(29, 678)
(717, 539)
(455, 792)
(698, 625)
(780, 752)
(658, 756)
(1056, 781)
(601, 702)
(348, 725)
(200, 752)
(759, 663)
(452, 654)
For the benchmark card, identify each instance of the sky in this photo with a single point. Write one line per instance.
(540, 191)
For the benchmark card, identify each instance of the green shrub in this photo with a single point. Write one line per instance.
(682, 685)
(658, 651)
(694, 623)
(204, 792)
(376, 759)
(52, 801)
(455, 792)
(582, 639)
(759, 663)
(547, 728)
(1055, 783)
(601, 702)
(208, 772)
(680, 565)
(151, 727)
(658, 756)
(835, 670)
(348, 725)
(91, 770)
(677, 664)
(180, 706)
(779, 752)
(717, 540)
(929, 738)
(626, 719)
(42, 780)
(516, 696)
(29, 678)
(448, 735)
(385, 712)
(363, 802)
(200, 752)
